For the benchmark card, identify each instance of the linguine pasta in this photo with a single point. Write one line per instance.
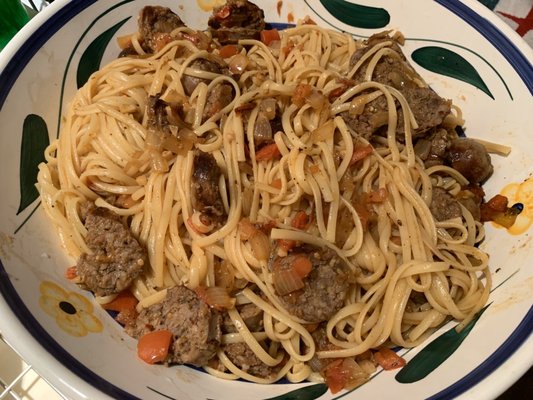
(410, 273)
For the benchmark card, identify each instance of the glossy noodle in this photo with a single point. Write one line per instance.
(362, 201)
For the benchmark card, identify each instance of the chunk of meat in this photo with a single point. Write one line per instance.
(268, 122)
(471, 159)
(370, 120)
(127, 52)
(262, 131)
(235, 20)
(243, 357)
(206, 197)
(154, 21)
(432, 149)
(195, 327)
(325, 287)
(190, 82)
(251, 315)
(429, 109)
(218, 98)
(322, 343)
(471, 197)
(427, 106)
(157, 114)
(443, 205)
(373, 40)
(116, 257)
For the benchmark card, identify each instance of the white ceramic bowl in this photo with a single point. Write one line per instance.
(38, 73)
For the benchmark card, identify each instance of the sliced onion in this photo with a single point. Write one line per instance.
(125, 201)
(268, 107)
(158, 163)
(153, 139)
(379, 119)
(422, 148)
(323, 132)
(216, 297)
(260, 244)
(357, 105)
(367, 366)
(181, 143)
(286, 281)
(355, 375)
(247, 200)
(397, 78)
(124, 41)
(246, 229)
(238, 64)
(171, 143)
(224, 276)
(316, 99)
(262, 129)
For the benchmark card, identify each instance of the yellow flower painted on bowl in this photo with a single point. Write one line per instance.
(208, 5)
(520, 193)
(72, 312)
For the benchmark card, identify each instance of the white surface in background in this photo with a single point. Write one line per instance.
(29, 387)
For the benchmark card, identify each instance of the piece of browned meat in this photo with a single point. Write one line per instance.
(433, 148)
(471, 159)
(157, 114)
(322, 343)
(154, 21)
(325, 287)
(443, 205)
(190, 82)
(235, 20)
(116, 257)
(195, 327)
(218, 98)
(243, 357)
(471, 197)
(206, 197)
(251, 315)
(428, 108)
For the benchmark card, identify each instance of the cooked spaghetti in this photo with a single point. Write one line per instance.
(290, 182)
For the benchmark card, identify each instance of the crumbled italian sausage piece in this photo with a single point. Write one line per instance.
(325, 288)
(206, 197)
(429, 109)
(471, 159)
(443, 205)
(235, 20)
(218, 97)
(243, 357)
(190, 82)
(251, 315)
(195, 327)
(155, 21)
(116, 257)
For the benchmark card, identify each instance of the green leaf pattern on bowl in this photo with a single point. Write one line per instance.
(446, 62)
(357, 15)
(436, 352)
(34, 142)
(92, 56)
(310, 392)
